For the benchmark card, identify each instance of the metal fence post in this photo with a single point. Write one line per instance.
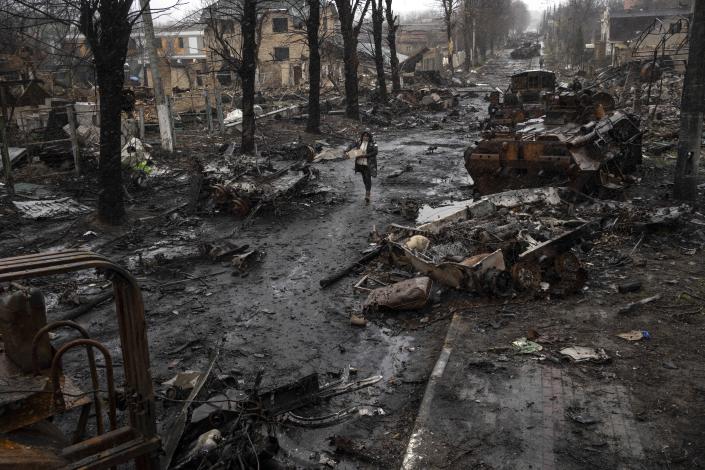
(140, 117)
(219, 110)
(74, 139)
(209, 112)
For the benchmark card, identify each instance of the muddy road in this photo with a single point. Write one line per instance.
(275, 317)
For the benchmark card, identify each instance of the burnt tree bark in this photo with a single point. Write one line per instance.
(107, 29)
(313, 123)
(350, 30)
(392, 26)
(692, 103)
(247, 71)
(377, 21)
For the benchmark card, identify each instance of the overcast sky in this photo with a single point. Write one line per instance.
(186, 6)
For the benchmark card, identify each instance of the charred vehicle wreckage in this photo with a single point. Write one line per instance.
(536, 93)
(540, 134)
(588, 157)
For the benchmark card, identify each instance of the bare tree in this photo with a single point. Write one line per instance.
(106, 26)
(691, 119)
(377, 22)
(234, 28)
(519, 17)
(392, 27)
(352, 14)
(449, 9)
(313, 22)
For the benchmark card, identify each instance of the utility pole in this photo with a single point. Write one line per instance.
(167, 137)
(692, 104)
(472, 51)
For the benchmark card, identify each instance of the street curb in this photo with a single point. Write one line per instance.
(412, 459)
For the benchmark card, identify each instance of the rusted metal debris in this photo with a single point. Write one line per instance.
(587, 158)
(489, 247)
(241, 195)
(46, 392)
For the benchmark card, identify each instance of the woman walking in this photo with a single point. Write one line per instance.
(365, 154)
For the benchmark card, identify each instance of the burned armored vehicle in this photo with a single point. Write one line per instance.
(586, 157)
(536, 93)
(527, 98)
(527, 50)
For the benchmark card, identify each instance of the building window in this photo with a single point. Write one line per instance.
(281, 53)
(181, 43)
(280, 25)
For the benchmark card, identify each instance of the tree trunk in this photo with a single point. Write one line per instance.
(165, 124)
(313, 124)
(247, 73)
(691, 119)
(449, 34)
(467, 36)
(108, 35)
(111, 209)
(392, 43)
(377, 20)
(352, 107)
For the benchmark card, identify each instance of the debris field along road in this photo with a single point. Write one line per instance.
(275, 317)
(468, 381)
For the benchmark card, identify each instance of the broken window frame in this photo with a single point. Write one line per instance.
(280, 55)
(280, 25)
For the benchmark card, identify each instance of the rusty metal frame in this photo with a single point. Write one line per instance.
(133, 340)
(91, 364)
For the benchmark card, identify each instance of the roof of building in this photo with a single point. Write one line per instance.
(650, 13)
(627, 25)
(232, 8)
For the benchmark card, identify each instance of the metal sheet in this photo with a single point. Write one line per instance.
(51, 208)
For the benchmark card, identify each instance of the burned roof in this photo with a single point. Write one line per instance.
(627, 25)
(230, 9)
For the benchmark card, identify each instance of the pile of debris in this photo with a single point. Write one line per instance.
(220, 420)
(241, 187)
(520, 242)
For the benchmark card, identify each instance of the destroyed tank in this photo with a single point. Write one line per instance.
(583, 157)
(535, 93)
(526, 51)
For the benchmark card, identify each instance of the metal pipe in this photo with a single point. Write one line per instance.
(56, 367)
